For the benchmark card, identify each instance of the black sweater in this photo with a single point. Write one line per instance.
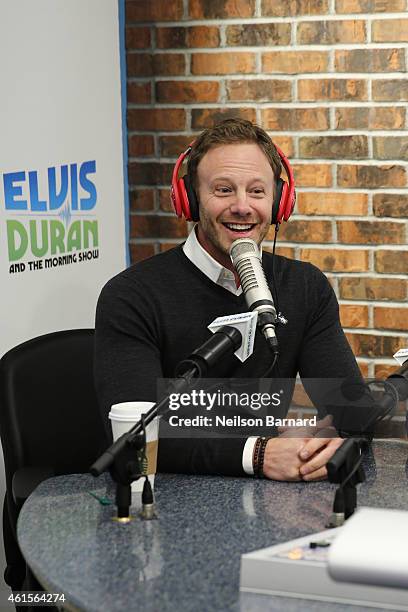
(154, 314)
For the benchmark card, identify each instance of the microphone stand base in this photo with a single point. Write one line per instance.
(123, 520)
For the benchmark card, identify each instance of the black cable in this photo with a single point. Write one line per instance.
(274, 286)
(388, 386)
(277, 370)
(276, 302)
(269, 370)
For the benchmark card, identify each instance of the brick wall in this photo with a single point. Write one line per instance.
(327, 79)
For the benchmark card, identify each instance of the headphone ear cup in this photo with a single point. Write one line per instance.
(176, 197)
(276, 207)
(288, 202)
(192, 199)
(178, 193)
(285, 199)
(183, 203)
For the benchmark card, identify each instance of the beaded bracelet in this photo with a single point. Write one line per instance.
(260, 456)
(255, 457)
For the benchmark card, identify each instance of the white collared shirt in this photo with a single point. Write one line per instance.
(225, 278)
(207, 264)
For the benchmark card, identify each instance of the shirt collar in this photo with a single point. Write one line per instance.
(208, 265)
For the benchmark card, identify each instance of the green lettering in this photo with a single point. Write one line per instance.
(90, 227)
(57, 235)
(17, 240)
(39, 251)
(74, 236)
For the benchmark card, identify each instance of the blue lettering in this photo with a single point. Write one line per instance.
(12, 191)
(36, 204)
(87, 185)
(74, 186)
(57, 199)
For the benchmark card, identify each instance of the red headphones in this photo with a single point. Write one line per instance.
(185, 200)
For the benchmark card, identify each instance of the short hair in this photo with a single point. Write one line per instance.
(232, 131)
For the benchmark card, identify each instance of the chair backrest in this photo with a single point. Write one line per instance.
(49, 412)
(49, 417)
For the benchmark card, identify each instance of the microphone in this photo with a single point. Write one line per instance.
(244, 322)
(356, 406)
(246, 259)
(347, 453)
(345, 469)
(225, 341)
(399, 380)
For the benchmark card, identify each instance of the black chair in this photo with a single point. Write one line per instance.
(50, 424)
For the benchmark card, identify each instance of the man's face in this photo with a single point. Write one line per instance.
(235, 191)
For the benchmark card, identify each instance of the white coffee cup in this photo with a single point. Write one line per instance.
(123, 417)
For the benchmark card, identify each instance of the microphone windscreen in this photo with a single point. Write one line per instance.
(243, 246)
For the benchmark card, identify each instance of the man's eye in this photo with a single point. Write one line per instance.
(223, 190)
(258, 190)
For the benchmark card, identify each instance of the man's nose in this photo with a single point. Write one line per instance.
(241, 205)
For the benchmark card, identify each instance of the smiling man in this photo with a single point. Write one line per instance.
(154, 314)
(235, 190)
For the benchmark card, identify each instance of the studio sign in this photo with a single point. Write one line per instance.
(41, 208)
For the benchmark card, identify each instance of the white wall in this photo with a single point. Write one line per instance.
(60, 105)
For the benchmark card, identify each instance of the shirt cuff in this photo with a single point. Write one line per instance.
(247, 455)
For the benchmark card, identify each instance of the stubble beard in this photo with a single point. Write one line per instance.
(212, 237)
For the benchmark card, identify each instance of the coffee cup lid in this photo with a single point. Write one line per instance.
(129, 411)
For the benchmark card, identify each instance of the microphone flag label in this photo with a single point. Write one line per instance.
(401, 356)
(246, 324)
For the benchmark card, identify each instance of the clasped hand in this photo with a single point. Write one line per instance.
(301, 453)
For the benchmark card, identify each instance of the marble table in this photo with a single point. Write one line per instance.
(189, 558)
